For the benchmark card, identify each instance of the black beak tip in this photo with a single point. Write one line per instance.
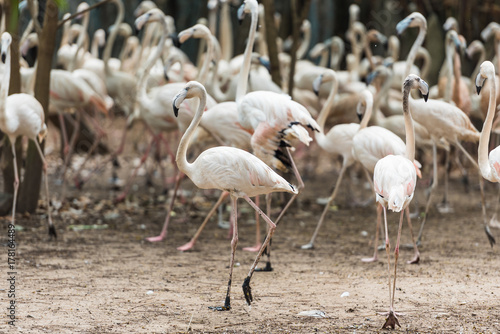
(176, 111)
(240, 21)
(316, 92)
(175, 40)
(360, 116)
(478, 88)
(3, 58)
(136, 31)
(165, 75)
(426, 97)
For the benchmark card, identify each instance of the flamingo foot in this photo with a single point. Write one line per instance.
(247, 290)
(226, 307)
(156, 239)
(392, 319)
(445, 207)
(415, 259)
(370, 259)
(266, 268)
(494, 221)
(52, 232)
(120, 198)
(187, 246)
(307, 246)
(255, 248)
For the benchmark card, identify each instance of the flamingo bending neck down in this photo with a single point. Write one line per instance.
(229, 169)
(394, 180)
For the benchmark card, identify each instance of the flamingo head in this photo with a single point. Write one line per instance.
(486, 69)
(491, 28)
(249, 6)
(5, 45)
(450, 24)
(143, 7)
(81, 7)
(414, 81)
(197, 31)
(152, 15)
(415, 19)
(192, 89)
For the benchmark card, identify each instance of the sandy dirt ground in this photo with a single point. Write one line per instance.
(111, 280)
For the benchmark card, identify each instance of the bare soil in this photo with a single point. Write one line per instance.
(111, 280)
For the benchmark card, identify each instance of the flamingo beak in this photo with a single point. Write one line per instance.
(317, 84)
(403, 24)
(241, 13)
(478, 88)
(178, 99)
(424, 89)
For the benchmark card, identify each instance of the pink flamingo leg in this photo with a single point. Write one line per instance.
(258, 243)
(416, 254)
(67, 158)
(52, 229)
(375, 241)
(310, 245)
(64, 133)
(193, 240)
(234, 242)
(247, 291)
(163, 233)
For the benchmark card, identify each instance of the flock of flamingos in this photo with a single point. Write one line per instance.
(252, 126)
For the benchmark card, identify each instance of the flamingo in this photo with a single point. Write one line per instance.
(489, 165)
(394, 180)
(338, 140)
(229, 169)
(21, 115)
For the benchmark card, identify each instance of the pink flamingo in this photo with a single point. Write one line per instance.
(238, 172)
(394, 180)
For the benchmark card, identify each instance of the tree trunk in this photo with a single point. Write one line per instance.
(271, 35)
(30, 188)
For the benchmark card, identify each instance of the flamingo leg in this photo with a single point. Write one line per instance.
(163, 233)
(268, 266)
(193, 240)
(247, 291)
(64, 132)
(375, 241)
(494, 220)
(234, 242)
(52, 229)
(16, 180)
(258, 243)
(67, 158)
(310, 245)
(416, 256)
(392, 320)
(487, 230)
(433, 187)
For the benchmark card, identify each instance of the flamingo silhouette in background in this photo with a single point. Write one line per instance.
(338, 140)
(394, 180)
(229, 169)
(21, 115)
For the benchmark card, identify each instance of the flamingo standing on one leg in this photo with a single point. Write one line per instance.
(21, 115)
(394, 180)
(230, 169)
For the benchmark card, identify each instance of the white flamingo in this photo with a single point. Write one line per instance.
(229, 169)
(394, 180)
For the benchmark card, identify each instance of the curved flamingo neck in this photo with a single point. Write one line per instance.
(181, 159)
(409, 129)
(484, 139)
(450, 53)
(4, 90)
(245, 71)
(203, 74)
(413, 51)
(143, 95)
(79, 42)
(304, 45)
(482, 56)
(368, 112)
(327, 107)
(382, 94)
(112, 36)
